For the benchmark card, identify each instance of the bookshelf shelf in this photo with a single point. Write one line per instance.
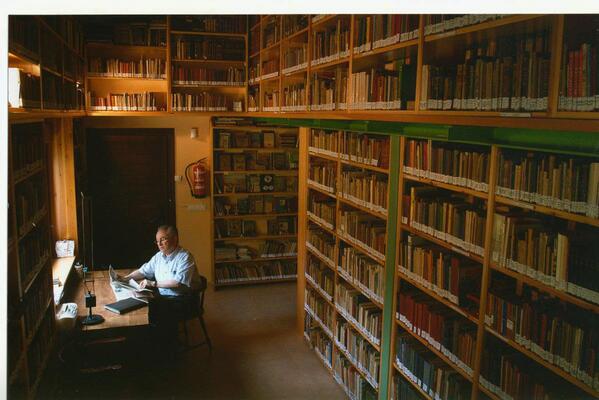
(411, 382)
(31, 278)
(323, 20)
(265, 201)
(296, 34)
(318, 189)
(263, 237)
(548, 211)
(255, 281)
(357, 328)
(253, 260)
(361, 370)
(323, 156)
(252, 216)
(218, 34)
(328, 262)
(253, 193)
(52, 71)
(330, 64)
(547, 289)
(365, 166)
(320, 225)
(489, 25)
(556, 370)
(445, 359)
(446, 186)
(438, 298)
(360, 207)
(351, 282)
(359, 246)
(125, 78)
(386, 49)
(327, 297)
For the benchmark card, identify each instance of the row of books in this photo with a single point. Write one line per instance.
(228, 273)
(271, 32)
(236, 228)
(152, 33)
(325, 142)
(209, 23)
(450, 163)
(323, 173)
(34, 252)
(294, 96)
(563, 336)
(323, 208)
(322, 344)
(269, 66)
(37, 301)
(254, 73)
(448, 217)
(258, 161)
(560, 182)
(359, 269)
(446, 331)
(578, 89)
(388, 88)
(364, 149)
(355, 386)
(271, 99)
(370, 231)
(321, 275)
(358, 309)
(28, 152)
(328, 91)
(402, 390)
(52, 91)
(263, 139)
(278, 248)
(30, 198)
(39, 349)
(208, 48)
(427, 371)
(322, 242)
(256, 251)
(254, 205)
(295, 57)
(282, 226)
(330, 44)
(380, 30)
(51, 51)
(254, 183)
(509, 375)
(357, 350)
(231, 76)
(146, 101)
(23, 31)
(439, 270)
(154, 68)
(294, 23)
(438, 23)
(204, 101)
(368, 189)
(320, 310)
(23, 89)
(511, 74)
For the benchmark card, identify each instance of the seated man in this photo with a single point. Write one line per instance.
(172, 271)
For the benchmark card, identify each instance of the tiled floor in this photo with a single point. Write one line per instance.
(257, 354)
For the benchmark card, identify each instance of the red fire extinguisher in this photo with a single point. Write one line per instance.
(197, 177)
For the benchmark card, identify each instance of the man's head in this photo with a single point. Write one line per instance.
(167, 239)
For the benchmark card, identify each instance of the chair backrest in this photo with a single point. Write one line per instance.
(201, 290)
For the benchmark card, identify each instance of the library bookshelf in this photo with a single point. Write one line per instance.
(46, 64)
(489, 268)
(31, 322)
(254, 200)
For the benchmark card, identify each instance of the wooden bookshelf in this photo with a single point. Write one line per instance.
(328, 245)
(255, 209)
(31, 317)
(46, 65)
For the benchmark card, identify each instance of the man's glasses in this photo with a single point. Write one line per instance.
(162, 240)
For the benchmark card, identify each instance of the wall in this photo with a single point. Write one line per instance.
(194, 225)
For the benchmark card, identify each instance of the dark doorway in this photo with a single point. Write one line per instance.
(132, 192)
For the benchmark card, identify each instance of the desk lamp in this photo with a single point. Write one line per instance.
(90, 298)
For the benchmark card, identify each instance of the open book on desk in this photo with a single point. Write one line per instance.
(123, 290)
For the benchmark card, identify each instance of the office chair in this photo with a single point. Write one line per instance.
(195, 309)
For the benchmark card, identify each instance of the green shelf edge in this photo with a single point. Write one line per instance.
(563, 142)
(390, 260)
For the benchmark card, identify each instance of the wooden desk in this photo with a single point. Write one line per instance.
(104, 295)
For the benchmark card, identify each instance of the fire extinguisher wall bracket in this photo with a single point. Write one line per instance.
(196, 175)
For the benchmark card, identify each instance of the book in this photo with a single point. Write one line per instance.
(268, 139)
(126, 305)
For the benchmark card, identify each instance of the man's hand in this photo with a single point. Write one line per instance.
(147, 284)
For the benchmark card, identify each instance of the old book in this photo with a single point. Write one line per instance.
(239, 162)
(224, 162)
(249, 228)
(254, 184)
(224, 140)
(242, 140)
(268, 139)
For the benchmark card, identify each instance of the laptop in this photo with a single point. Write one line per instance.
(131, 285)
